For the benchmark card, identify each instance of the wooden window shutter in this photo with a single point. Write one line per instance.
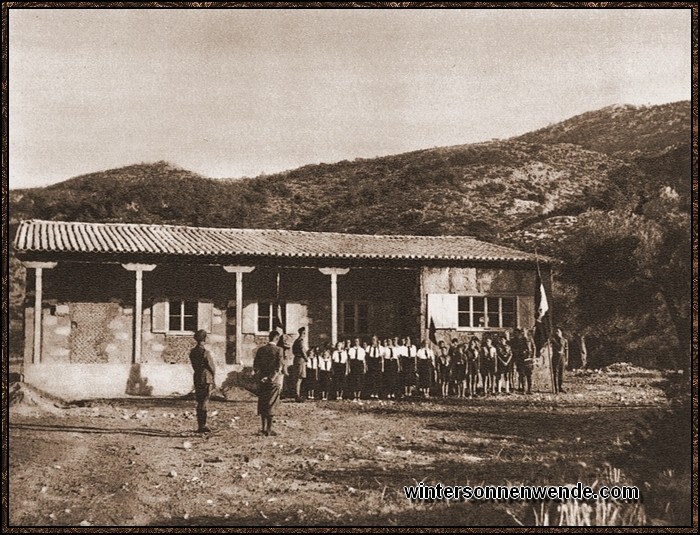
(443, 309)
(159, 315)
(204, 315)
(296, 317)
(526, 311)
(250, 317)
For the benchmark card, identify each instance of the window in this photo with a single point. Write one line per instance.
(486, 312)
(267, 316)
(182, 316)
(355, 317)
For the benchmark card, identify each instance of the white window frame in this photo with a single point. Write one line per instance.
(270, 304)
(488, 327)
(356, 331)
(181, 303)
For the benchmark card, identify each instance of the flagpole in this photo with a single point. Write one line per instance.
(551, 330)
(277, 318)
(549, 307)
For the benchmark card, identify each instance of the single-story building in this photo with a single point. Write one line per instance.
(111, 307)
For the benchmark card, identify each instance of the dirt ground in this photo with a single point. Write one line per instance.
(137, 461)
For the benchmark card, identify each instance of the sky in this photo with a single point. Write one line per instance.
(229, 93)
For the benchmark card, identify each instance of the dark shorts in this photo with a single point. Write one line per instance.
(459, 372)
(299, 368)
(488, 368)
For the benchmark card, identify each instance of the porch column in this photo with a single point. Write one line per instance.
(239, 271)
(334, 272)
(39, 268)
(138, 306)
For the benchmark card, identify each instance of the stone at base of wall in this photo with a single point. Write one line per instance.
(83, 381)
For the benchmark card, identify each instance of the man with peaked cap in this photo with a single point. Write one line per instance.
(204, 370)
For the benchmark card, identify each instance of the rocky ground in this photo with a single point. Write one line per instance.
(137, 462)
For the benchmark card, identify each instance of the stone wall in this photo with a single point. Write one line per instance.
(87, 315)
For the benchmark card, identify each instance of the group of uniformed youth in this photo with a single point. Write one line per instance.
(389, 369)
(395, 368)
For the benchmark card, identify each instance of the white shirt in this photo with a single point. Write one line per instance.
(411, 351)
(356, 353)
(400, 351)
(426, 353)
(375, 352)
(325, 364)
(390, 353)
(340, 356)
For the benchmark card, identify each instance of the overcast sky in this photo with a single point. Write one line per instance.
(230, 93)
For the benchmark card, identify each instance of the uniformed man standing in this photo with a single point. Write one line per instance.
(299, 350)
(560, 357)
(204, 370)
(523, 359)
(269, 370)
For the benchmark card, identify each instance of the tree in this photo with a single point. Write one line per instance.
(629, 264)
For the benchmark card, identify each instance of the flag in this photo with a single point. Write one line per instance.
(277, 312)
(541, 310)
(277, 318)
(278, 325)
(432, 331)
(540, 299)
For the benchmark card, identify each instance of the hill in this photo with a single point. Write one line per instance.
(483, 189)
(478, 189)
(526, 192)
(622, 131)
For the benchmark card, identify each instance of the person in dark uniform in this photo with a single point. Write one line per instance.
(560, 357)
(473, 354)
(522, 358)
(299, 351)
(268, 366)
(458, 362)
(504, 365)
(489, 357)
(204, 370)
(444, 370)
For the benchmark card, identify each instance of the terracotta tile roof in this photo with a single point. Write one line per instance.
(127, 238)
